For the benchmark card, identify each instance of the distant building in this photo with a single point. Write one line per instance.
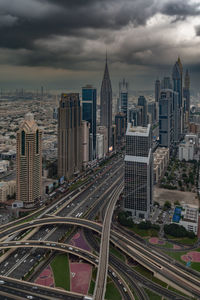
(142, 102)
(89, 111)
(85, 142)
(106, 104)
(29, 162)
(123, 96)
(114, 137)
(152, 111)
(166, 128)
(166, 83)
(157, 90)
(120, 122)
(55, 113)
(69, 135)
(138, 181)
(103, 131)
(100, 146)
(135, 115)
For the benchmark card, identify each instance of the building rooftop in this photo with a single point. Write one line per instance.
(138, 130)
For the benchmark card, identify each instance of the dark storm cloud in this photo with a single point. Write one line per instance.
(35, 30)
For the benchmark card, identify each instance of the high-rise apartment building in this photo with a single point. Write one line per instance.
(123, 96)
(85, 142)
(166, 118)
(186, 92)
(138, 180)
(89, 110)
(157, 90)
(69, 135)
(106, 105)
(29, 162)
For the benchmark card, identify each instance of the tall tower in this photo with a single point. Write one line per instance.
(106, 104)
(123, 96)
(157, 90)
(69, 135)
(143, 103)
(89, 110)
(177, 74)
(29, 162)
(186, 90)
(138, 181)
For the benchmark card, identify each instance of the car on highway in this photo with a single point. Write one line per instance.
(2, 281)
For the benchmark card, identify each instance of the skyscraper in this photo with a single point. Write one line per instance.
(166, 126)
(120, 122)
(69, 135)
(138, 181)
(157, 90)
(106, 105)
(123, 96)
(186, 91)
(89, 109)
(166, 83)
(143, 103)
(29, 162)
(177, 73)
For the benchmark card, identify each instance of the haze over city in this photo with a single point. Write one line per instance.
(62, 44)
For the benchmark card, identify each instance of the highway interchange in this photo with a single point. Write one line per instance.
(87, 202)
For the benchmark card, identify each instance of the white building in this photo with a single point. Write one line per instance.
(189, 218)
(99, 146)
(188, 148)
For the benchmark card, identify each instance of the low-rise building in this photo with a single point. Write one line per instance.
(4, 165)
(7, 189)
(188, 147)
(160, 162)
(187, 216)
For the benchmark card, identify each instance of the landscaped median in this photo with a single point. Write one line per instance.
(61, 272)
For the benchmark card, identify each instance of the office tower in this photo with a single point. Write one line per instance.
(120, 122)
(177, 87)
(123, 96)
(106, 105)
(100, 146)
(186, 91)
(55, 113)
(135, 115)
(69, 135)
(143, 103)
(151, 106)
(157, 90)
(29, 162)
(138, 180)
(114, 138)
(89, 111)
(166, 83)
(85, 142)
(166, 126)
(104, 131)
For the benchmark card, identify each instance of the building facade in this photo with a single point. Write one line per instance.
(142, 102)
(85, 142)
(29, 162)
(89, 111)
(138, 180)
(166, 126)
(69, 135)
(106, 105)
(123, 96)
(120, 122)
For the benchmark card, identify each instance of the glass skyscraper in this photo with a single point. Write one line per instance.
(123, 96)
(89, 109)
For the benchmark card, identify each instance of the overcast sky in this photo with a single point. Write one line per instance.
(62, 43)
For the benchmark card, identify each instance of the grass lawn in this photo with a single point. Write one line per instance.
(140, 269)
(152, 296)
(117, 253)
(143, 232)
(60, 267)
(184, 241)
(195, 266)
(112, 292)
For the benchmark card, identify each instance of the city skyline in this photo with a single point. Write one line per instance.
(63, 44)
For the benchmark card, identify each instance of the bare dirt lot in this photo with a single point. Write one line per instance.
(162, 195)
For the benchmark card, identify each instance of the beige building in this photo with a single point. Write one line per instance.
(69, 135)
(103, 130)
(160, 162)
(29, 162)
(7, 189)
(85, 142)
